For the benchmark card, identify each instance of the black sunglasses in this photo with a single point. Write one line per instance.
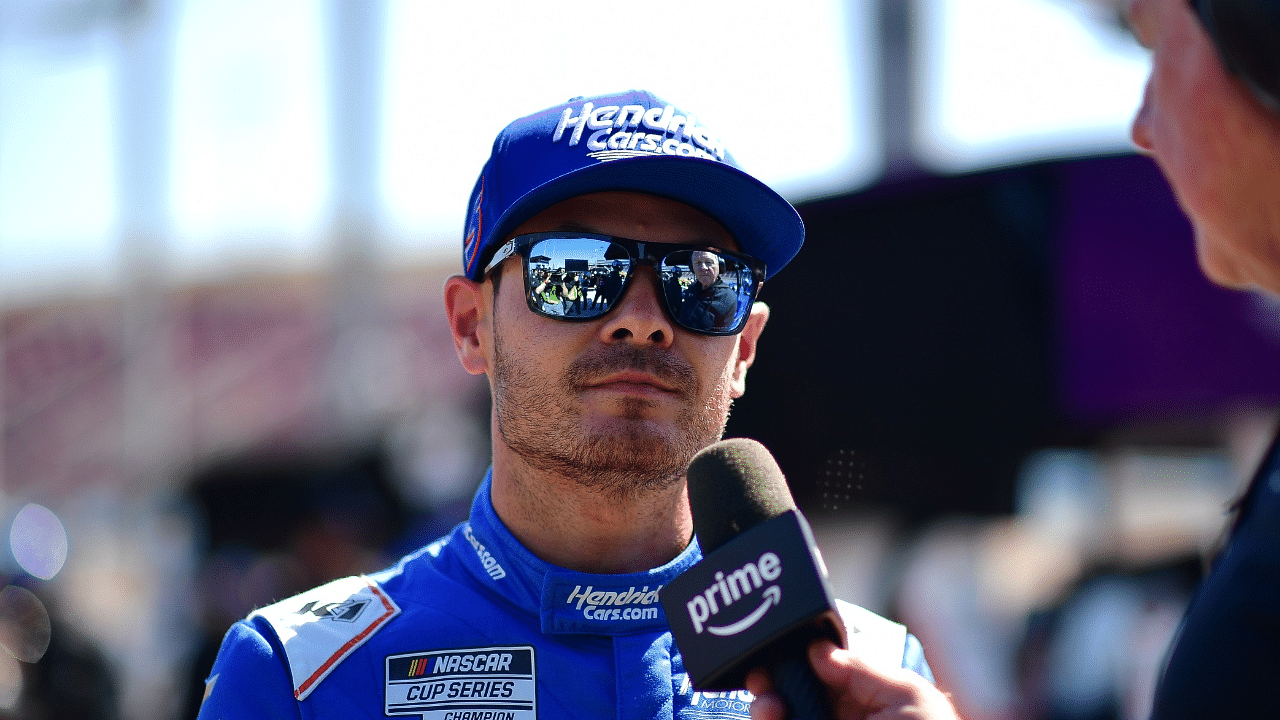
(580, 276)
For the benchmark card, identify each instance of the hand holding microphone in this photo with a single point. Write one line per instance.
(760, 594)
(858, 690)
(758, 609)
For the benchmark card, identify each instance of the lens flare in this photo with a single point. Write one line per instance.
(10, 683)
(25, 629)
(38, 541)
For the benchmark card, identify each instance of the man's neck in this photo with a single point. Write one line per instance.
(581, 528)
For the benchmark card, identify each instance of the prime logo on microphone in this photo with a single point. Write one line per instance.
(739, 584)
(728, 612)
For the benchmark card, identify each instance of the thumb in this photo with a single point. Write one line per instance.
(863, 684)
(859, 689)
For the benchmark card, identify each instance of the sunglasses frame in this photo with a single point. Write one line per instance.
(638, 253)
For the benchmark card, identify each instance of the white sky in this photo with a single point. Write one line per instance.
(1001, 81)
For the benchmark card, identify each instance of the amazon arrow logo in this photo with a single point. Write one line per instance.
(728, 589)
(772, 596)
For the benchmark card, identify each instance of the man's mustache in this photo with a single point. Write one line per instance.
(662, 364)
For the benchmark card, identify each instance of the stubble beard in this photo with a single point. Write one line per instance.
(625, 457)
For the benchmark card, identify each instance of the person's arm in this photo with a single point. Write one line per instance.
(723, 305)
(250, 678)
(858, 690)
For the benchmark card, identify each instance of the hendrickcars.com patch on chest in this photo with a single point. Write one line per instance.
(485, 683)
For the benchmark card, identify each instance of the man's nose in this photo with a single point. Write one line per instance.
(638, 315)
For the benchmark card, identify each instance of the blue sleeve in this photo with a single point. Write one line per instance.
(913, 658)
(250, 678)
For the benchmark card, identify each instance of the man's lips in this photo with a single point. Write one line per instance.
(630, 379)
(626, 369)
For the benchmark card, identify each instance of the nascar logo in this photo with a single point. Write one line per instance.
(493, 683)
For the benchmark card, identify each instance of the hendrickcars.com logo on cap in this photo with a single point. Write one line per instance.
(634, 130)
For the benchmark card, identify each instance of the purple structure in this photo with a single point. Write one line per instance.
(1141, 332)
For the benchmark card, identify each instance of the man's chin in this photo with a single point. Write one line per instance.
(641, 444)
(632, 433)
(624, 464)
(1218, 263)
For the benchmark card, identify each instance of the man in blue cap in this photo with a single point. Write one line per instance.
(544, 604)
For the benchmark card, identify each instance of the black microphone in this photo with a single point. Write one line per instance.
(760, 594)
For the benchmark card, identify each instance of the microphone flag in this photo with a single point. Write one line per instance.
(759, 596)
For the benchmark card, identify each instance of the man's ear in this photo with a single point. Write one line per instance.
(465, 305)
(747, 340)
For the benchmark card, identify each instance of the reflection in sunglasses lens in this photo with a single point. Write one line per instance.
(582, 278)
(567, 277)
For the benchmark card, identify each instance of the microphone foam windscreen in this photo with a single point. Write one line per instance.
(733, 486)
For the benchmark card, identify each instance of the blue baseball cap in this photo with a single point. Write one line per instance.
(627, 141)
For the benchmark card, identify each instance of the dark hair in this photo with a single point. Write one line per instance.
(495, 276)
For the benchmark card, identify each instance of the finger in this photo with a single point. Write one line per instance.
(832, 664)
(768, 706)
(855, 682)
(829, 662)
(758, 682)
(862, 690)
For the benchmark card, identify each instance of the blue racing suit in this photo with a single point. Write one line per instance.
(475, 627)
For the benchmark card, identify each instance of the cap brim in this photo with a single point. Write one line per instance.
(763, 223)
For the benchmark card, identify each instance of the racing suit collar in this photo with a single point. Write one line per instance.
(564, 600)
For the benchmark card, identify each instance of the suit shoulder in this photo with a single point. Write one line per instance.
(882, 641)
(321, 627)
(249, 678)
(875, 638)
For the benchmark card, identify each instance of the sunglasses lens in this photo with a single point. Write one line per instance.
(581, 278)
(575, 277)
(706, 291)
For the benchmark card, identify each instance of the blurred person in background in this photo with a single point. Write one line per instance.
(1210, 118)
(49, 668)
(545, 603)
(73, 681)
